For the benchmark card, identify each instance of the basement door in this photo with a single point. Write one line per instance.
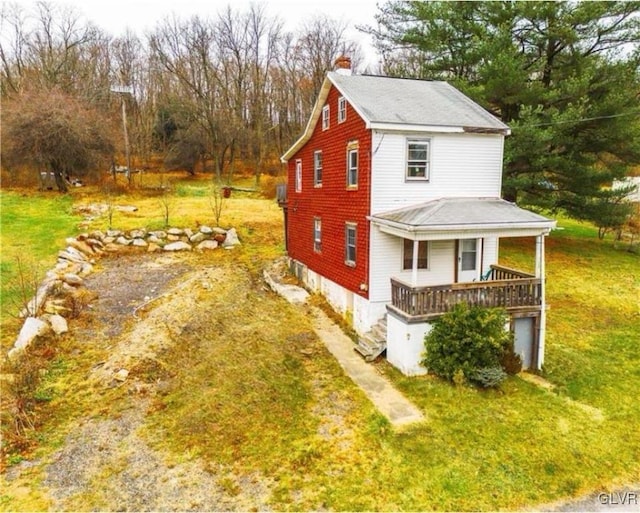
(524, 331)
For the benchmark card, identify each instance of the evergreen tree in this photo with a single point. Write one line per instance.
(563, 75)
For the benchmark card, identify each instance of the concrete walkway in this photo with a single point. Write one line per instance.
(391, 403)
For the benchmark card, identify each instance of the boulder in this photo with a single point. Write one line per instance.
(206, 245)
(173, 238)
(153, 247)
(175, 231)
(140, 243)
(111, 248)
(121, 375)
(177, 246)
(72, 279)
(58, 324)
(188, 232)
(207, 230)
(96, 234)
(218, 230)
(159, 233)
(31, 329)
(220, 237)
(125, 208)
(197, 237)
(137, 234)
(114, 233)
(81, 246)
(231, 238)
(86, 270)
(109, 240)
(72, 255)
(123, 241)
(152, 239)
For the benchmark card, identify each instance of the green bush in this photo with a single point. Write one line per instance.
(468, 340)
(488, 377)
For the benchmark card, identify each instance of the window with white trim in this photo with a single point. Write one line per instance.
(317, 168)
(407, 254)
(342, 109)
(298, 177)
(350, 244)
(317, 234)
(325, 117)
(352, 166)
(418, 159)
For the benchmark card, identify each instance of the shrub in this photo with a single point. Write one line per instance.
(468, 340)
(488, 377)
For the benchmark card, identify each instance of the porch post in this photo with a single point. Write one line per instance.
(414, 264)
(540, 273)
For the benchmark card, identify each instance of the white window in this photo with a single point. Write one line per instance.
(342, 109)
(317, 234)
(407, 254)
(298, 175)
(352, 168)
(350, 244)
(317, 168)
(418, 159)
(325, 117)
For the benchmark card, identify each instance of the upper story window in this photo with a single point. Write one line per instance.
(325, 117)
(418, 159)
(298, 178)
(350, 244)
(317, 234)
(352, 166)
(342, 109)
(317, 168)
(407, 254)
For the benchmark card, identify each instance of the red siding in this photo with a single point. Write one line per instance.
(333, 202)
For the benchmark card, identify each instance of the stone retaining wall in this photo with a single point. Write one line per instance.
(61, 290)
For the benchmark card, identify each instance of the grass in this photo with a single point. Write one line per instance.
(257, 394)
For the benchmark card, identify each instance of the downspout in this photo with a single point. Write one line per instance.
(540, 273)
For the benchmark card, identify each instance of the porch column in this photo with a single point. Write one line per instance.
(414, 264)
(540, 273)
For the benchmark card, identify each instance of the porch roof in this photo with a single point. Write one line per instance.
(462, 217)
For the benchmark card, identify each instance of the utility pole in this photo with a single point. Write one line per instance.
(123, 89)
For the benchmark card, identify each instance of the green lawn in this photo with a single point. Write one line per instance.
(258, 395)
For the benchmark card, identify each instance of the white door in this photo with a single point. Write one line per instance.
(468, 260)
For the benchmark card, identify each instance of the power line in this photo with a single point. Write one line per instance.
(634, 113)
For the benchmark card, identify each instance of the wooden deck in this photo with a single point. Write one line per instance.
(507, 288)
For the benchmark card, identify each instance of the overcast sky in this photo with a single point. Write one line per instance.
(114, 16)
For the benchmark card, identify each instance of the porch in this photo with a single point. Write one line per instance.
(516, 291)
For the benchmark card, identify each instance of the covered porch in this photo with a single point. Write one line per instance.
(464, 234)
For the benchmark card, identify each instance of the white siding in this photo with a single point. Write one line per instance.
(405, 345)
(386, 262)
(489, 253)
(461, 165)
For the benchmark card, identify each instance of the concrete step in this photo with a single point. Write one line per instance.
(370, 348)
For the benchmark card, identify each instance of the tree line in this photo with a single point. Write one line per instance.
(237, 88)
(224, 90)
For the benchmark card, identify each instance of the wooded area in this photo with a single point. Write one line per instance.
(230, 93)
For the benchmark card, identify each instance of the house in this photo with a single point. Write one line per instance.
(393, 213)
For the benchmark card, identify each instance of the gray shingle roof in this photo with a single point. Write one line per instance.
(461, 212)
(413, 102)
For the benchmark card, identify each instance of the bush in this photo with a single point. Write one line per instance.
(468, 340)
(488, 377)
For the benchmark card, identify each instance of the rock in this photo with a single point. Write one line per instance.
(114, 233)
(31, 329)
(175, 231)
(95, 244)
(173, 238)
(86, 270)
(109, 240)
(111, 248)
(123, 241)
(72, 255)
(96, 234)
(207, 230)
(159, 233)
(140, 243)
(177, 246)
(220, 237)
(45, 290)
(121, 375)
(58, 324)
(152, 239)
(81, 246)
(198, 237)
(188, 232)
(72, 279)
(14, 353)
(54, 306)
(207, 244)
(137, 234)
(219, 231)
(82, 236)
(231, 239)
(153, 247)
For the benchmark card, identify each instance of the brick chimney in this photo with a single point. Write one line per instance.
(343, 65)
